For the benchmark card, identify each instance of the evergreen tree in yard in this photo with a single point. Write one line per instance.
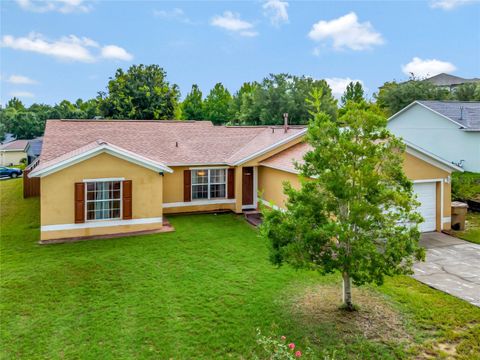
(217, 105)
(354, 92)
(192, 106)
(356, 213)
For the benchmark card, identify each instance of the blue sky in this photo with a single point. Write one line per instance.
(54, 50)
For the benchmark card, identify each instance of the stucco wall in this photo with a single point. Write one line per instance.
(270, 184)
(57, 194)
(438, 135)
(11, 157)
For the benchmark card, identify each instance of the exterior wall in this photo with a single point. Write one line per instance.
(11, 157)
(270, 185)
(57, 196)
(257, 160)
(173, 194)
(417, 169)
(439, 136)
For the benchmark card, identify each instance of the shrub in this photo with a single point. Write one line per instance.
(465, 186)
(274, 348)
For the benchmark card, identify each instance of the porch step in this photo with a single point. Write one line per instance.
(253, 217)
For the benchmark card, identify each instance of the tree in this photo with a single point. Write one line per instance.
(354, 92)
(26, 125)
(467, 92)
(355, 211)
(395, 96)
(217, 105)
(140, 93)
(192, 106)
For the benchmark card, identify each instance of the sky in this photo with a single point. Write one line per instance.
(68, 49)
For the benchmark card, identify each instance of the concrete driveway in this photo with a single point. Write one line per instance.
(451, 265)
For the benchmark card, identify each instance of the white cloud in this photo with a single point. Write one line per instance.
(69, 48)
(22, 94)
(276, 10)
(339, 85)
(20, 80)
(116, 53)
(449, 4)
(174, 14)
(231, 21)
(346, 32)
(428, 67)
(61, 6)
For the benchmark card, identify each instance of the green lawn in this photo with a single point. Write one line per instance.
(200, 293)
(472, 228)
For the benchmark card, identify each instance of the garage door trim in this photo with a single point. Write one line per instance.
(441, 197)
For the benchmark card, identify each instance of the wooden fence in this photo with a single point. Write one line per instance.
(31, 186)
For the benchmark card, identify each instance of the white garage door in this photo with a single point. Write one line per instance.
(426, 195)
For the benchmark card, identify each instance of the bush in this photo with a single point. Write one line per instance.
(465, 186)
(279, 349)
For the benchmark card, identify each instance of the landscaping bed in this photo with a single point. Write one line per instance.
(200, 293)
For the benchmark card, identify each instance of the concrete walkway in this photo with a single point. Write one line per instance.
(451, 265)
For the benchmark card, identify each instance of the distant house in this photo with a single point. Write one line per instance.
(34, 149)
(8, 137)
(98, 179)
(450, 81)
(13, 152)
(448, 129)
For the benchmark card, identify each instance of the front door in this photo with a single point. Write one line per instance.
(247, 190)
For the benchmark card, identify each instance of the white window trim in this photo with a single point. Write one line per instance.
(199, 202)
(86, 201)
(209, 183)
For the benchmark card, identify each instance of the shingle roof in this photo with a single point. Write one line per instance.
(35, 146)
(16, 145)
(465, 113)
(286, 159)
(173, 143)
(449, 80)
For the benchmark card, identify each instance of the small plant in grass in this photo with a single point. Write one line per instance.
(279, 348)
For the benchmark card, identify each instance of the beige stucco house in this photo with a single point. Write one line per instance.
(107, 177)
(13, 152)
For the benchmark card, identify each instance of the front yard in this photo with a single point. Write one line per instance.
(200, 293)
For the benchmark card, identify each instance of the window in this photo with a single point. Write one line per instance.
(209, 184)
(103, 200)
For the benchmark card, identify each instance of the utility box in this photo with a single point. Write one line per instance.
(459, 214)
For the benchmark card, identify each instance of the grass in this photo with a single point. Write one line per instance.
(200, 293)
(472, 228)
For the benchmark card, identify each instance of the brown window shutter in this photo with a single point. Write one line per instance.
(127, 199)
(231, 183)
(187, 185)
(79, 203)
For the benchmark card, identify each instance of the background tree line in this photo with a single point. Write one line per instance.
(143, 92)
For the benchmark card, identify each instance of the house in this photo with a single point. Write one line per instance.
(34, 149)
(110, 177)
(448, 129)
(449, 81)
(13, 152)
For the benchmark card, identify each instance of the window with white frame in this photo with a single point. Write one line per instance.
(103, 200)
(209, 184)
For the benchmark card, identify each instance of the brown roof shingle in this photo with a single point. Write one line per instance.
(173, 143)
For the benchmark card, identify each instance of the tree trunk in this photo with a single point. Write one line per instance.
(347, 292)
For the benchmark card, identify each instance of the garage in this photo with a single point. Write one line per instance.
(426, 195)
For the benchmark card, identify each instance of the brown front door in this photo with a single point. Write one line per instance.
(247, 190)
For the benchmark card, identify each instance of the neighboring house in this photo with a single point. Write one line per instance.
(450, 81)
(113, 177)
(7, 138)
(13, 152)
(34, 149)
(448, 129)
